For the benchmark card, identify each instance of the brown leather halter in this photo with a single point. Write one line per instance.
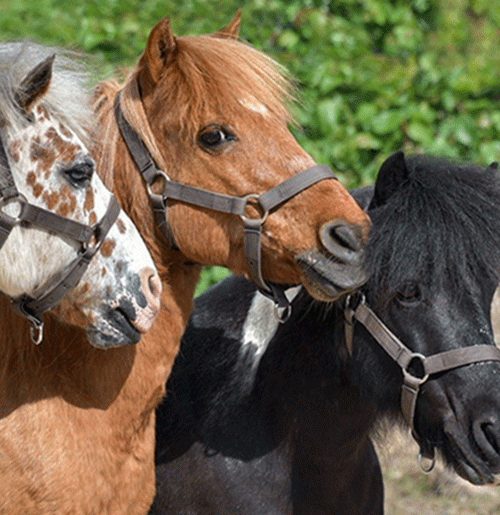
(406, 359)
(89, 237)
(265, 202)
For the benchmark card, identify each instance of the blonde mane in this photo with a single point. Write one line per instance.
(208, 73)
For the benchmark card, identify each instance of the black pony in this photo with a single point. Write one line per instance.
(268, 418)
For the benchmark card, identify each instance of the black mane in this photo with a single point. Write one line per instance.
(419, 230)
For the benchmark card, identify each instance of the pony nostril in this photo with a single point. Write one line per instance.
(148, 299)
(151, 288)
(337, 237)
(491, 436)
(155, 287)
(487, 436)
(344, 236)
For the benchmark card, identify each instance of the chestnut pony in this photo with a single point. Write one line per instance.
(210, 111)
(64, 244)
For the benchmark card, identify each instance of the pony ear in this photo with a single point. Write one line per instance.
(232, 29)
(391, 174)
(34, 85)
(159, 51)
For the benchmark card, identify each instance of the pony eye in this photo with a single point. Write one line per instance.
(80, 174)
(409, 295)
(213, 137)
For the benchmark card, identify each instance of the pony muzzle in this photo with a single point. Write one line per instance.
(140, 310)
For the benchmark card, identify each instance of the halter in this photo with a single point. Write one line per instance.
(264, 202)
(89, 237)
(405, 358)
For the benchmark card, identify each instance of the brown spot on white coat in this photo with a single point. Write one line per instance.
(107, 247)
(89, 200)
(121, 226)
(15, 147)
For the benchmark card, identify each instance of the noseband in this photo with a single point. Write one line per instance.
(265, 203)
(406, 359)
(89, 237)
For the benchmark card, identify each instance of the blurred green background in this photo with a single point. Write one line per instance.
(374, 76)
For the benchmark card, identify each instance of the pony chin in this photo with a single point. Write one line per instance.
(474, 471)
(107, 337)
(326, 280)
(111, 328)
(470, 473)
(467, 462)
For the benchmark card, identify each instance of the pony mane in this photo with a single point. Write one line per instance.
(226, 71)
(443, 223)
(67, 97)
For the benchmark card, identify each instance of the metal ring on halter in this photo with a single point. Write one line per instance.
(409, 376)
(36, 332)
(36, 324)
(352, 301)
(282, 314)
(432, 460)
(17, 198)
(246, 219)
(91, 246)
(159, 173)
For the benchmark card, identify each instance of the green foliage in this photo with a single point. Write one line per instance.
(373, 75)
(211, 275)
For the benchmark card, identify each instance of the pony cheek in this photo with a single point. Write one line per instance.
(67, 309)
(207, 240)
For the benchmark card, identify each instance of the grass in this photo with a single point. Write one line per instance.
(408, 491)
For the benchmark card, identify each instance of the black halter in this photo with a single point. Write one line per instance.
(265, 202)
(89, 237)
(406, 359)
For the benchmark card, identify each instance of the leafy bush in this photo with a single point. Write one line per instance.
(374, 75)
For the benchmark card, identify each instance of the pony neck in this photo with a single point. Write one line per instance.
(63, 365)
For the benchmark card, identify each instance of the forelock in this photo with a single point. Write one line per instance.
(226, 72)
(443, 222)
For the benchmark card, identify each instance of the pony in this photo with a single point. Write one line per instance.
(49, 191)
(262, 417)
(196, 147)
(65, 249)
